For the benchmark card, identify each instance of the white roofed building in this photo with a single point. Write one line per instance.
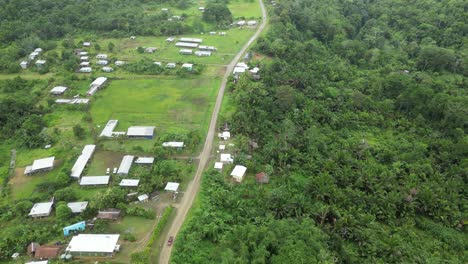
(145, 132)
(171, 65)
(85, 70)
(41, 209)
(251, 23)
(143, 197)
(24, 64)
(181, 44)
(109, 128)
(102, 62)
(107, 69)
(187, 66)
(82, 160)
(144, 160)
(129, 183)
(125, 165)
(102, 245)
(225, 135)
(40, 165)
(218, 165)
(194, 40)
(96, 84)
(173, 144)
(94, 180)
(172, 186)
(58, 90)
(186, 51)
(238, 173)
(86, 44)
(101, 56)
(77, 207)
(85, 64)
(226, 158)
(202, 53)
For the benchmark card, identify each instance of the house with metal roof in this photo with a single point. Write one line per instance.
(144, 132)
(80, 226)
(77, 207)
(238, 173)
(94, 180)
(193, 40)
(172, 186)
(186, 51)
(226, 158)
(40, 165)
(96, 245)
(173, 144)
(189, 45)
(125, 165)
(129, 183)
(82, 160)
(96, 84)
(41, 209)
(109, 128)
(144, 160)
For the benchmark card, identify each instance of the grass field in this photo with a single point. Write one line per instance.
(167, 103)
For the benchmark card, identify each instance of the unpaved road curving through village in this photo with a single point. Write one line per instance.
(192, 189)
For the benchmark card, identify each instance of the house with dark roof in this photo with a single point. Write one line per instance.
(47, 252)
(262, 177)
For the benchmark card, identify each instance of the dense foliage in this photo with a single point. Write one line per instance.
(361, 120)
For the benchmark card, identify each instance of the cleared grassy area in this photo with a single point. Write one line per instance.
(167, 103)
(248, 9)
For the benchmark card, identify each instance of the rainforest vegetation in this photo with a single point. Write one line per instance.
(361, 120)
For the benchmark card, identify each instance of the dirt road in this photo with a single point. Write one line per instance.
(192, 189)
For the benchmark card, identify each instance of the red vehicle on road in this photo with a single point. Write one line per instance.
(170, 241)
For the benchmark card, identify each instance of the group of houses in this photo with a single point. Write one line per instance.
(101, 60)
(242, 23)
(239, 171)
(97, 84)
(133, 132)
(242, 68)
(188, 45)
(34, 55)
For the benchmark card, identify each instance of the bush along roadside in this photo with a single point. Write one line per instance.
(143, 256)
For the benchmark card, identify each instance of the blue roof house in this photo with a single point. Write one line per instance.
(80, 226)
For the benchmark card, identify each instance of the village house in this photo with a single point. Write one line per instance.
(201, 53)
(144, 160)
(85, 70)
(129, 183)
(201, 8)
(40, 63)
(172, 187)
(71, 229)
(158, 63)
(95, 245)
(87, 44)
(96, 84)
(132, 37)
(186, 45)
(101, 56)
(84, 58)
(141, 132)
(251, 23)
(218, 165)
(24, 64)
(85, 64)
(40, 165)
(47, 252)
(222, 33)
(241, 23)
(187, 66)
(102, 62)
(170, 39)
(77, 207)
(107, 69)
(226, 158)
(143, 198)
(173, 144)
(207, 48)
(171, 65)
(41, 209)
(262, 177)
(109, 214)
(151, 49)
(94, 180)
(119, 63)
(238, 173)
(109, 128)
(194, 40)
(125, 165)
(186, 51)
(58, 90)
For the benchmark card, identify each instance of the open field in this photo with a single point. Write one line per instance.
(167, 103)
